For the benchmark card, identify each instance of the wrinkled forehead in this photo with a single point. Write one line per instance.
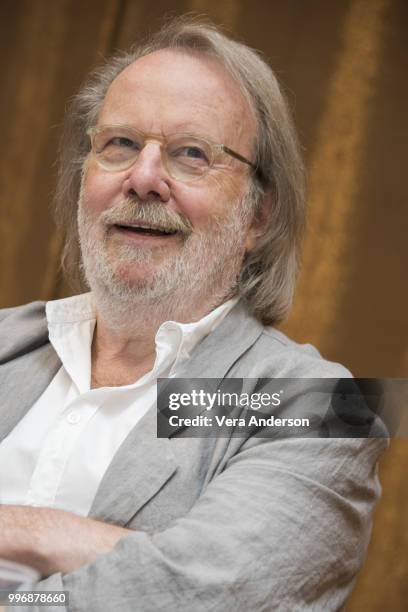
(169, 90)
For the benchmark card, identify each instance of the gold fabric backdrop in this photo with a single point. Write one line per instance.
(344, 66)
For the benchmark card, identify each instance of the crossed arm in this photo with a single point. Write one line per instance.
(52, 540)
(284, 527)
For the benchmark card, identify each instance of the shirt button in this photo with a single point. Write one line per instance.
(73, 418)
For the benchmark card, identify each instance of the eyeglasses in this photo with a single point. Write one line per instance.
(186, 157)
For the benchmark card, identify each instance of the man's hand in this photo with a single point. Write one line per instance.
(53, 540)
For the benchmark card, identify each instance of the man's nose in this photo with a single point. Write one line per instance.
(148, 178)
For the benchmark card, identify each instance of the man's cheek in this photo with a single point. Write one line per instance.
(98, 191)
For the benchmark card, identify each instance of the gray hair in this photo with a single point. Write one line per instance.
(269, 272)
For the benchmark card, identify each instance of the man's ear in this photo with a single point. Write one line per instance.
(259, 222)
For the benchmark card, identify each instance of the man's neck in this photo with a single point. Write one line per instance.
(123, 345)
(117, 360)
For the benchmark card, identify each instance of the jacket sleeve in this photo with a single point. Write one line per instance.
(284, 527)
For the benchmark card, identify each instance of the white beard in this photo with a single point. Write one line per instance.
(201, 271)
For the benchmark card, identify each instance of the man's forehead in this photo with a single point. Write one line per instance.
(179, 69)
(193, 92)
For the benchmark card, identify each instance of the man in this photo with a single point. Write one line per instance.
(181, 167)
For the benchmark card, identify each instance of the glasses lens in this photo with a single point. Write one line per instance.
(116, 148)
(188, 157)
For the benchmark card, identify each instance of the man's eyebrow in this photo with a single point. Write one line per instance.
(189, 127)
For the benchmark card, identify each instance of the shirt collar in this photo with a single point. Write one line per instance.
(74, 309)
(191, 334)
(71, 322)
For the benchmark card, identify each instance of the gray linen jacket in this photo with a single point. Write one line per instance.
(220, 524)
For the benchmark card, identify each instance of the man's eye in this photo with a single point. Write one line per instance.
(122, 141)
(192, 153)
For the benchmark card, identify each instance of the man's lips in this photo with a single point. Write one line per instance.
(145, 231)
(145, 228)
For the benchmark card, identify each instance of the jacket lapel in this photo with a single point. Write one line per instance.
(218, 352)
(140, 468)
(28, 362)
(22, 381)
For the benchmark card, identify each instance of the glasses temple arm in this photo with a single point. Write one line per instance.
(238, 156)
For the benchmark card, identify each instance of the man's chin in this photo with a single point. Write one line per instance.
(135, 274)
(130, 285)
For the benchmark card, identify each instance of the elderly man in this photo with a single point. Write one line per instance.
(181, 196)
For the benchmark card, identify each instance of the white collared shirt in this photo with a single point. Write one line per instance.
(58, 453)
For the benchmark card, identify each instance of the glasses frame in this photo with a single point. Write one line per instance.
(215, 147)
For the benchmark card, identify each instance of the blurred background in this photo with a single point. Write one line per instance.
(344, 66)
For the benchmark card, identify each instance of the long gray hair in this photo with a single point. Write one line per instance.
(269, 272)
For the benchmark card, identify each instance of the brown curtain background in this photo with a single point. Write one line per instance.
(344, 65)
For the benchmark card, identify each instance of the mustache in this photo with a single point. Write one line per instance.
(132, 210)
